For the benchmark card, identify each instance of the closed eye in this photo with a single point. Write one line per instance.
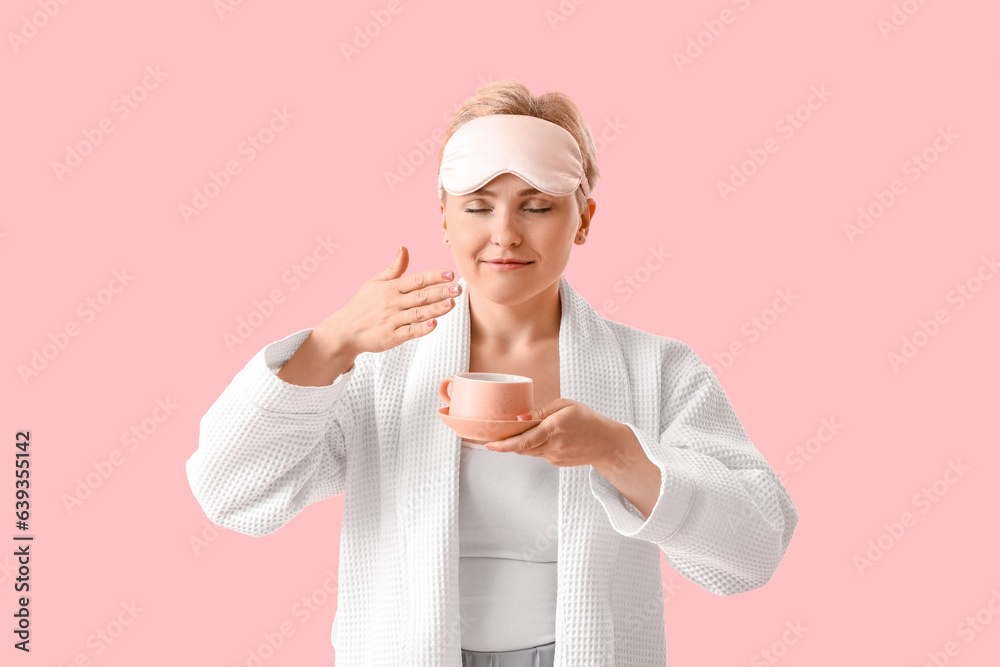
(533, 210)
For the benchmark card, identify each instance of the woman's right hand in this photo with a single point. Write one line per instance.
(390, 309)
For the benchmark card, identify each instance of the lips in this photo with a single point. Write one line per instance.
(506, 261)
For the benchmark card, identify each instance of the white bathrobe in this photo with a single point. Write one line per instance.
(268, 448)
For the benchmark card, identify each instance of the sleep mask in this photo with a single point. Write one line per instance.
(543, 154)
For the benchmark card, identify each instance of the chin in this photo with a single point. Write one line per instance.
(507, 290)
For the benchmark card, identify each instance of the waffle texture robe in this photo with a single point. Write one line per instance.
(267, 449)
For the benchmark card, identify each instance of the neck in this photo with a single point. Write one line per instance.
(503, 328)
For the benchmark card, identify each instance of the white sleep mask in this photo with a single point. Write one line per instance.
(543, 154)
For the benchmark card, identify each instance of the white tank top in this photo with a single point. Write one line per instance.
(508, 547)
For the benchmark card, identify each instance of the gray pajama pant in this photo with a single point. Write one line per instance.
(539, 656)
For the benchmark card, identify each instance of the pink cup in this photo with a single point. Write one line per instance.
(493, 396)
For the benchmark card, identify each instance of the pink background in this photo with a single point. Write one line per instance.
(671, 134)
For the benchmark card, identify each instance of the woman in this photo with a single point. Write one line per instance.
(545, 551)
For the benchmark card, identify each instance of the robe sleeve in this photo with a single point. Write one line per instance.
(268, 448)
(723, 518)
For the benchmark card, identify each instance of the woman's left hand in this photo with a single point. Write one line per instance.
(570, 434)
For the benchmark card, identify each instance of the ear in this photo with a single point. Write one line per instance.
(587, 216)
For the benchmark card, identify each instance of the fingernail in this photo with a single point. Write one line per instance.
(448, 275)
(524, 417)
(492, 449)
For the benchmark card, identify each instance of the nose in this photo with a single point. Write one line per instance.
(505, 227)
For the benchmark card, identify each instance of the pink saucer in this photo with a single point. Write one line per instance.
(484, 430)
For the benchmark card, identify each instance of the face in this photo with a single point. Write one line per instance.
(508, 219)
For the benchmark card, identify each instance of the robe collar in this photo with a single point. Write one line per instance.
(592, 371)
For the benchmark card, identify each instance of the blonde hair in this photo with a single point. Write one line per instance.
(509, 96)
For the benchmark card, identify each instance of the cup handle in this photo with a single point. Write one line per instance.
(443, 389)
